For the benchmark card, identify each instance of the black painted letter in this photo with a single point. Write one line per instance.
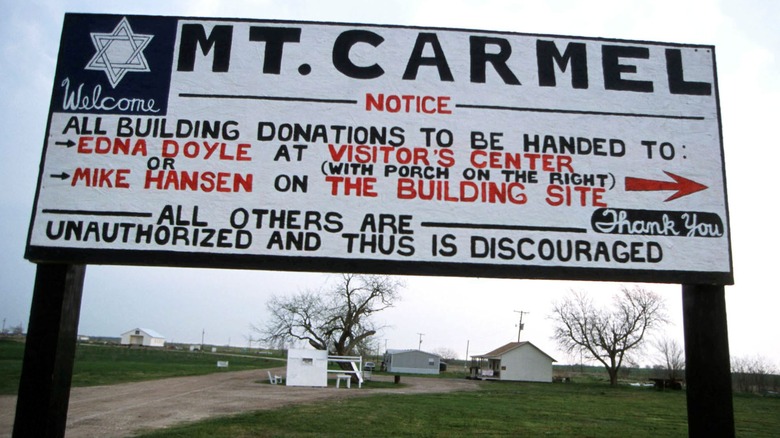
(344, 44)
(193, 35)
(438, 60)
(575, 54)
(610, 60)
(677, 82)
(480, 58)
(274, 38)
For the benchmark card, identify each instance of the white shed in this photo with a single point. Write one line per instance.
(307, 367)
(411, 361)
(518, 361)
(142, 337)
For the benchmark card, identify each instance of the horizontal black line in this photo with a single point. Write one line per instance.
(590, 113)
(98, 213)
(275, 98)
(502, 227)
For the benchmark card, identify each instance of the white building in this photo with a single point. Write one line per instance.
(142, 337)
(411, 362)
(310, 368)
(518, 361)
(307, 367)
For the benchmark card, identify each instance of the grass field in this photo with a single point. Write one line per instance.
(587, 408)
(105, 365)
(11, 354)
(499, 409)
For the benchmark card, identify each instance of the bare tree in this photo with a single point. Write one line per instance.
(753, 374)
(446, 353)
(337, 319)
(607, 335)
(673, 355)
(16, 330)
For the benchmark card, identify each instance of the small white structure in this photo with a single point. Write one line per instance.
(307, 368)
(411, 362)
(310, 368)
(517, 361)
(142, 337)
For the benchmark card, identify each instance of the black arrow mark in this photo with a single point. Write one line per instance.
(69, 143)
(62, 175)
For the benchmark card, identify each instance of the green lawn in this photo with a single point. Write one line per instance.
(11, 354)
(106, 365)
(499, 409)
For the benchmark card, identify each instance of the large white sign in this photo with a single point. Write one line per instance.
(344, 147)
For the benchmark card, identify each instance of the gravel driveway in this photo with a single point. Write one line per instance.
(125, 409)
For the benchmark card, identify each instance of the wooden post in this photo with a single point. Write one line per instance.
(44, 386)
(707, 362)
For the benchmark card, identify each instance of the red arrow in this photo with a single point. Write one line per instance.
(683, 186)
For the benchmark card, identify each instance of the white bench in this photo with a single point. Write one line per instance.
(345, 377)
(356, 363)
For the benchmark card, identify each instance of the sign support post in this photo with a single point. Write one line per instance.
(44, 386)
(707, 363)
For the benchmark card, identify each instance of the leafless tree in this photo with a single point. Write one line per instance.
(446, 353)
(753, 374)
(673, 355)
(337, 319)
(607, 335)
(16, 330)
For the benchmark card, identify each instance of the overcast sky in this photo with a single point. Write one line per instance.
(453, 313)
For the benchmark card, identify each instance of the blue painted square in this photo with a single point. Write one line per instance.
(114, 64)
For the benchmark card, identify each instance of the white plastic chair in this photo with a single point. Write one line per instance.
(274, 379)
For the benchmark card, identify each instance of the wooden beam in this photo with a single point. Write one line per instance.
(708, 366)
(44, 386)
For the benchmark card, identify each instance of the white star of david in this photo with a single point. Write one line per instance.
(119, 52)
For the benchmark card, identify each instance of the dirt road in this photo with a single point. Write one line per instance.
(122, 410)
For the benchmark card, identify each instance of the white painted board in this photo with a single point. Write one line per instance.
(365, 148)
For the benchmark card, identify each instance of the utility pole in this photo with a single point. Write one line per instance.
(466, 366)
(520, 324)
(419, 344)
